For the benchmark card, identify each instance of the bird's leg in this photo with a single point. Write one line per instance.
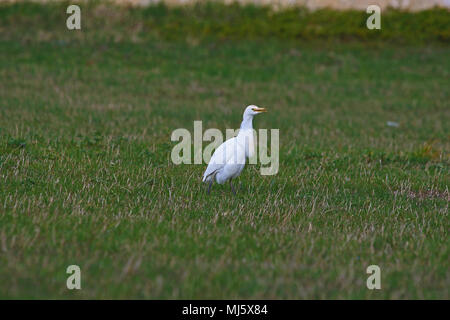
(209, 187)
(232, 188)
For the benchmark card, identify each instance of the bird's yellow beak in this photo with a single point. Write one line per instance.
(259, 109)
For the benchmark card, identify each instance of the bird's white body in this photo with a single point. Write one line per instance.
(228, 160)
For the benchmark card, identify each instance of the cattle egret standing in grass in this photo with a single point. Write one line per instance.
(228, 160)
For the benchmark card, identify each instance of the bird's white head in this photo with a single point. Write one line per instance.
(252, 110)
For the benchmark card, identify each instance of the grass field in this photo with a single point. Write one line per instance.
(86, 175)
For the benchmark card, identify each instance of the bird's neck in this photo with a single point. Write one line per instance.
(245, 137)
(247, 123)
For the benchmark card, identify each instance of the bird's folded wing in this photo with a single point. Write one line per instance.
(223, 155)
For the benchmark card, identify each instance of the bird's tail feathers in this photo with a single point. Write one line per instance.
(209, 176)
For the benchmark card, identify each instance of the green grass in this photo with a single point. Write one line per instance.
(86, 176)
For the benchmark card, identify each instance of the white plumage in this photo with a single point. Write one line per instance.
(228, 160)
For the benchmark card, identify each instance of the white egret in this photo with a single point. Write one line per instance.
(228, 159)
